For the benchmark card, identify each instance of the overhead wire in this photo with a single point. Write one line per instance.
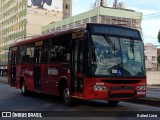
(151, 16)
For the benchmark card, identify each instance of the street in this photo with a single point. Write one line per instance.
(12, 100)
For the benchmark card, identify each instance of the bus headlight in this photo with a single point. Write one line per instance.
(141, 90)
(100, 88)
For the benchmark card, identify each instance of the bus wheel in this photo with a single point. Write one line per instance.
(66, 96)
(23, 89)
(112, 102)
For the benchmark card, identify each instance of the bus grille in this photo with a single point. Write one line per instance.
(122, 88)
(123, 95)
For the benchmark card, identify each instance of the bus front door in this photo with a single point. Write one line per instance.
(13, 68)
(37, 69)
(77, 68)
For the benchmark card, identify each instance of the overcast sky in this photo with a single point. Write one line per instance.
(150, 22)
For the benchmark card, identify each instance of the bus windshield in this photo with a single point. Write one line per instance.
(114, 56)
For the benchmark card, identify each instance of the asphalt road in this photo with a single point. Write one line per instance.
(12, 100)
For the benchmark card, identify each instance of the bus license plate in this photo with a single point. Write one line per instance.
(140, 92)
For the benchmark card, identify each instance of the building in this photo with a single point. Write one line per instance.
(67, 8)
(158, 55)
(20, 19)
(150, 52)
(105, 15)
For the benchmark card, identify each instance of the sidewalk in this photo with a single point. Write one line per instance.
(3, 79)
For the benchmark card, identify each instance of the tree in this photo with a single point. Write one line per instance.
(158, 36)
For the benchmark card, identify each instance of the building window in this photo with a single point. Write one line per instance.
(85, 20)
(78, 22)
(71, 25)
(67, 15)
(153, 58)
(64, 26)
(58, 28)
(67, 6)
(94, 19)
(129, 22)
(103, 19)
(53, 29)
(145, 57)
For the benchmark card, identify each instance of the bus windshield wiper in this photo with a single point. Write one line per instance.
(132, 45)
(109, 41)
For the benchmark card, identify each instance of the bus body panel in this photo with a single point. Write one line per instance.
(25, 72)
(50, 75)
(53, 74)
(44, 78)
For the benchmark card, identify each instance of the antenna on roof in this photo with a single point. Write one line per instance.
(115, 4)
(100, 3)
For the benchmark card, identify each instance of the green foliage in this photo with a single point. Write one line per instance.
(158, 59)
(158, 36)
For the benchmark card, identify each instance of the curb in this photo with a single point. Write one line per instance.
(4, 81)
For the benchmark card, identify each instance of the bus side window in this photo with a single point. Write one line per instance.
(53, 53)
(45, 51)
(22, 54)
(30, 54)
(26, 53)
(60, 47)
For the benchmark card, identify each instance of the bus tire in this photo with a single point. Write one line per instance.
(112, 102)
(23, 89)
(66, 97)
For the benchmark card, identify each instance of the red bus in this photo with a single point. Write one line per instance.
(95, 62)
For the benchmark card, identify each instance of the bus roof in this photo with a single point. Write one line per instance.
(47, 35)
(69, 30)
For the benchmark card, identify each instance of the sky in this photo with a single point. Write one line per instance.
(149, 8)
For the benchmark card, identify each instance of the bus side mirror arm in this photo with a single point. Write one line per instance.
(86, 34)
